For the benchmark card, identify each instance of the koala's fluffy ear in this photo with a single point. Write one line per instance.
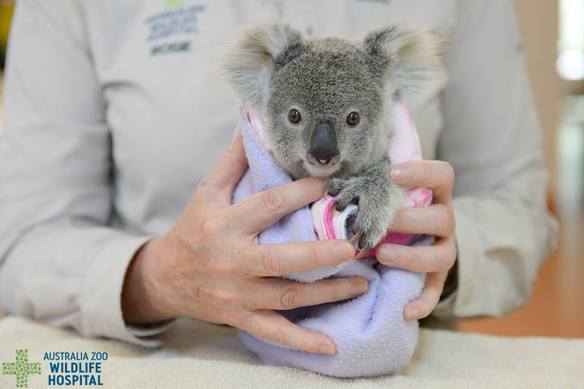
(248, 65)
(407, 55)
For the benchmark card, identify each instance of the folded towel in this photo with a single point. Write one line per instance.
(370, 333)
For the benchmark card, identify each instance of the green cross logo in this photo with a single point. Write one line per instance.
(174, 3)
(21, 368)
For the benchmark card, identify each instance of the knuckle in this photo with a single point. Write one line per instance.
(271, 201)
(450, 261)
(435, 298)
(234, 158)
(336, 290)
(421, 170)
(442, 219)
(236, 258)
(239, 318)
(236, 218)
(291, 297)
(209, 189)
(271, 263)
(449, 175)
(221, 297)
(451, 257)
(279, 335)
(427, 304)
(400, 218)
(424, 171)
(450, 225)
(211, 228)
(231, 156)
(314, 256)
(233, 251)
(211, 294)
(432, 296)
(426, 310)
(438, 259)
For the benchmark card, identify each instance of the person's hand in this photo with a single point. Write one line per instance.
(437, 220)
(210, 266)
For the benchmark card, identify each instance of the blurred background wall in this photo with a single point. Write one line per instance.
(539, 27)
(6, 9)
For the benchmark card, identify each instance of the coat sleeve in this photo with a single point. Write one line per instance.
(60, 263)
(493, 139)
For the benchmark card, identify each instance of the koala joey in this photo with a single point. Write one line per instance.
(325, 105)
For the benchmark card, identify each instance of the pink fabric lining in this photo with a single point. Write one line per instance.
(328, 218)
(415, 198)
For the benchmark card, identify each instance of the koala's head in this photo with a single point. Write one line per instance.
(325, 100)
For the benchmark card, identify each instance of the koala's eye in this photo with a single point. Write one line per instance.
(294, 116)
(353, 119)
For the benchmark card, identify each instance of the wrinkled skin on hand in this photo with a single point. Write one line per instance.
(209, 266)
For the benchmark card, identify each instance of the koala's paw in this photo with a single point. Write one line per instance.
(378, 200)
(345, 191)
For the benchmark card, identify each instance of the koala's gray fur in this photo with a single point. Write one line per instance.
(274, 69)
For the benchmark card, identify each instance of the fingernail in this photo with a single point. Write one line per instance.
(388, 254)
(343, 250)
(327, 347)
(400, 173)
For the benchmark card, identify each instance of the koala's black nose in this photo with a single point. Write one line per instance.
(323, 144)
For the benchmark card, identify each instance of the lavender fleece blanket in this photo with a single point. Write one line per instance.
(370, 333)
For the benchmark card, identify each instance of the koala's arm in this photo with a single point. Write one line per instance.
(378, 197)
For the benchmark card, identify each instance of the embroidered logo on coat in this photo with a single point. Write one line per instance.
(171, 30)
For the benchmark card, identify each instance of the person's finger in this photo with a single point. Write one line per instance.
(221, 181)
(427, 259)
(437, 220)
(425, 304)
(279, 259)
(436, 175)
(273, 327)
(283, 295)
(263, 209)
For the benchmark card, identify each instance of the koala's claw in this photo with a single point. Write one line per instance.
(366, 243)
(334, 186)
(343, 202)
(345, 190)
(362, 253)
(356, 237)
